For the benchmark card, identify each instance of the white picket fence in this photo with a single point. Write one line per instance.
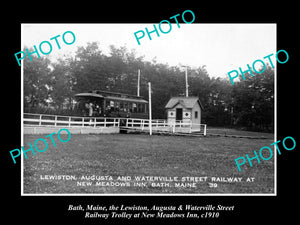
(30, 119)
(164, 126)
(158, 125)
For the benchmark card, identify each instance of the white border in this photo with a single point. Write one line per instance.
(156, 194)
(22, 110)
(275, 119)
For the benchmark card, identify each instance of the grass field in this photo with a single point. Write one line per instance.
(158, 156)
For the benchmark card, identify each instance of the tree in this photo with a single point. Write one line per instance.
(62, 83)
(200, 84)
(218, 106)
(253, 100)
(88, 69)
(37, 81)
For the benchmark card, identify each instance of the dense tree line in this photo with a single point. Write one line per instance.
(49, 87)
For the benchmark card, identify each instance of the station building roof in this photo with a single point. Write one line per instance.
(186, 102)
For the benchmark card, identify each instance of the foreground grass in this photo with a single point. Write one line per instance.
(143, 155)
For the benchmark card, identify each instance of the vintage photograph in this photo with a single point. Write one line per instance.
(107, 110)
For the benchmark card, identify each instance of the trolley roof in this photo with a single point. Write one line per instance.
(112, 96)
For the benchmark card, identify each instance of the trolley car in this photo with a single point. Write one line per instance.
(111, 104)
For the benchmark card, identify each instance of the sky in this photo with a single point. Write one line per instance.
(221, 47)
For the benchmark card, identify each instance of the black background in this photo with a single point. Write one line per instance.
(256, 209)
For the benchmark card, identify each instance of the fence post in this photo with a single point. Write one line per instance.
(82, 121)
(95, 122)
(40, 120)
(127, 122)
(69, 121)
(114, 122)
(204, 129)
(55, 120)
(105, 122)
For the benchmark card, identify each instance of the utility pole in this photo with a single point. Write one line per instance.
(150, 109)
(138, 84)
(186, 83)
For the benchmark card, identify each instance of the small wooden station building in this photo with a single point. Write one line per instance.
(184, 109)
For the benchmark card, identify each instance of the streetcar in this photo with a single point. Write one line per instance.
(99, 103)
